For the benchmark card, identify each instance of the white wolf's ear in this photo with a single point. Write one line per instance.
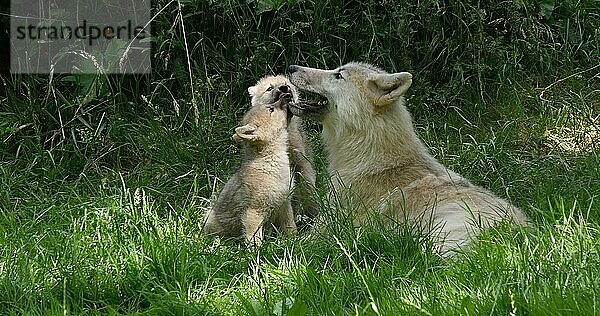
(245, 132)
(252, 91)
(389, 87)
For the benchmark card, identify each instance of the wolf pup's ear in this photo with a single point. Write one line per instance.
(245, 132)
(252, 91)
(389, 87)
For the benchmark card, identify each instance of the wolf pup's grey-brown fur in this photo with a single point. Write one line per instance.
(258, 194)
(300, 153)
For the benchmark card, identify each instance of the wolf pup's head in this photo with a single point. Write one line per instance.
(270, 88)
(265, 122)
(351, 93)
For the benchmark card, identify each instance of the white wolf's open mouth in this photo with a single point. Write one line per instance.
(314, 108)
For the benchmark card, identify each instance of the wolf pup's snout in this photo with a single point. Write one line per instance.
(293, 68)
(286, 96)
(285, 88)
(282, 101)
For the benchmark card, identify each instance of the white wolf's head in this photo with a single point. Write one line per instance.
(349, 94)
(269, 89)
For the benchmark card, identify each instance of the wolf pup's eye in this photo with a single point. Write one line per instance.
(338, 75)
(271, 109)
(269, 89)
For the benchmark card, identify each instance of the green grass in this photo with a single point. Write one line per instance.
(121, 254)
(104, 180)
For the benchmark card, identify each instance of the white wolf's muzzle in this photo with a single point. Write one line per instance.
(309, 79)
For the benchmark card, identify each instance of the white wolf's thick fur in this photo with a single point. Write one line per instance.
(374, 151)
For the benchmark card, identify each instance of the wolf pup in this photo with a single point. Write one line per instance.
(374, 152)
(300, 153)
(258, 194)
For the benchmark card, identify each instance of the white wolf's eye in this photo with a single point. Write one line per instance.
(269, 89)
(271, 109)
(338, 75)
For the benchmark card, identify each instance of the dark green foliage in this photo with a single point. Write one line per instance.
(460, 53)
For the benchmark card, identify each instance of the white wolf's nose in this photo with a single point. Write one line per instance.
(293, 68)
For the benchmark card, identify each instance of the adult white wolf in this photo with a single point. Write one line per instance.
(374, 152)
